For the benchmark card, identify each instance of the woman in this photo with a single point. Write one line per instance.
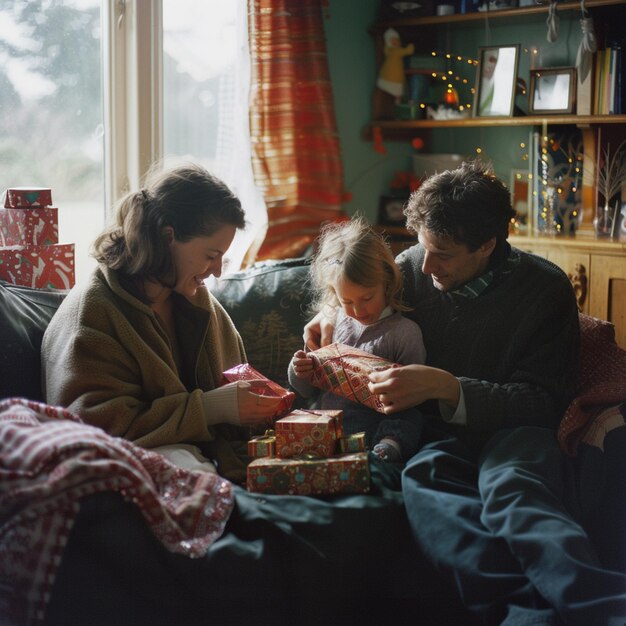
(140, 348)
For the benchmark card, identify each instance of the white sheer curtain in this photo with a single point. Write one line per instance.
(206, 78)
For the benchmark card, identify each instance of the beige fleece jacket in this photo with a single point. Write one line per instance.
(106, 358)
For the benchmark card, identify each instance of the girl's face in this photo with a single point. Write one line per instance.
(197, 259)
(364, 304)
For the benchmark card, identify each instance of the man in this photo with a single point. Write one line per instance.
(484, 495)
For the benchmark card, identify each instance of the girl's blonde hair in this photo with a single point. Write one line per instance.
(353, 251)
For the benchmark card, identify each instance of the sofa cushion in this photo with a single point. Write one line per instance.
(601, 381)
(24, 316)
(268, 303)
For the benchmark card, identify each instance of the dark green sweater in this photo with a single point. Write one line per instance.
(514, 347)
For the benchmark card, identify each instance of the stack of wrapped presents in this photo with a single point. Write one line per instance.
(308, 454)
(30, 252)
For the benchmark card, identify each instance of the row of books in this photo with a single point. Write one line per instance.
(608, 96)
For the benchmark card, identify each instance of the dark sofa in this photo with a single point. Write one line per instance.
(282, 559)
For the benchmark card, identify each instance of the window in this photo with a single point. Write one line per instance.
(93, 92)
(51, 118)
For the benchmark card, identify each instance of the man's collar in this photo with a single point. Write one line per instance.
(477, 285)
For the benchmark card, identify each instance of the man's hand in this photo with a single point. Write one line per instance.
(404, 387)
(318, 332)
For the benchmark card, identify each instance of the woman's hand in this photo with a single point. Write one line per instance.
(302, 365)
(255, 409)
(404, 387)
(318, 332)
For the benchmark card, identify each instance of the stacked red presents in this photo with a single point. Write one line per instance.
(307, 454)
(30, 252)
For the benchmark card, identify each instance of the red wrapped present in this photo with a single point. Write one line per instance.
(345, 473)
(29, 227)
(308, 432)
(263, 445)
(262, 385)
(25, 197)
(352, 443)
(40, 267)
(344, 371)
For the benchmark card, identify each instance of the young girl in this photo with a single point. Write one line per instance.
(354, 276)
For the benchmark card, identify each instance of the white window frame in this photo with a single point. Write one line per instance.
(133, 102)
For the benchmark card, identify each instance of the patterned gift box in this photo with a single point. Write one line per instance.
(344, 371)
(308, 432)
(40, 267)
(263, 445)
(25, 197)
(262, 385)
(352, 443)
(29, 227)
(345, 473)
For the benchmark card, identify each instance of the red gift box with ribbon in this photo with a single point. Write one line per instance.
(308, 432)
(344, 371)
(261, 385)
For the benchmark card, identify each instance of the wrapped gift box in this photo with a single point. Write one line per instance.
(41, 267)
(263, 445)
(29, 227)
(308, 432)
(344, 371)
(25, 197)
(346, 473)
(262, 385)
(352, 443)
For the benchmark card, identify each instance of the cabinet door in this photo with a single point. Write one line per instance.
(576, 266)
(608, 293)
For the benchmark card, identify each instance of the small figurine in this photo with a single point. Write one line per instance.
(391, 77)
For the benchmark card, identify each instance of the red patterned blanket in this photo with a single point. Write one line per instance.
(49, 460)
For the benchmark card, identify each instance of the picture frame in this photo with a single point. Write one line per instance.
(552, 90)
(390, 210)
(496, 80)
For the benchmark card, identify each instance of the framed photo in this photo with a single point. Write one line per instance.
(496, 79)
(390, 211)
(552, 90)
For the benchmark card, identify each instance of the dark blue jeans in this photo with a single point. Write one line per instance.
(404, 426)
(496, 527)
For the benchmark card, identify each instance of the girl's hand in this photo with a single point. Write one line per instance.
(255, 409)
(302, 365)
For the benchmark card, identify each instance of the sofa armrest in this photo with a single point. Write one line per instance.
(24, 316)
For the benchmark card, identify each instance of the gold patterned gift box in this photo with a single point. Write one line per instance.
(353, 443)
(308, 432)
(345, 473)
(263, 445)
(344, 371)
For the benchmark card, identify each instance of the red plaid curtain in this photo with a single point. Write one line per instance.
(295, 146)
